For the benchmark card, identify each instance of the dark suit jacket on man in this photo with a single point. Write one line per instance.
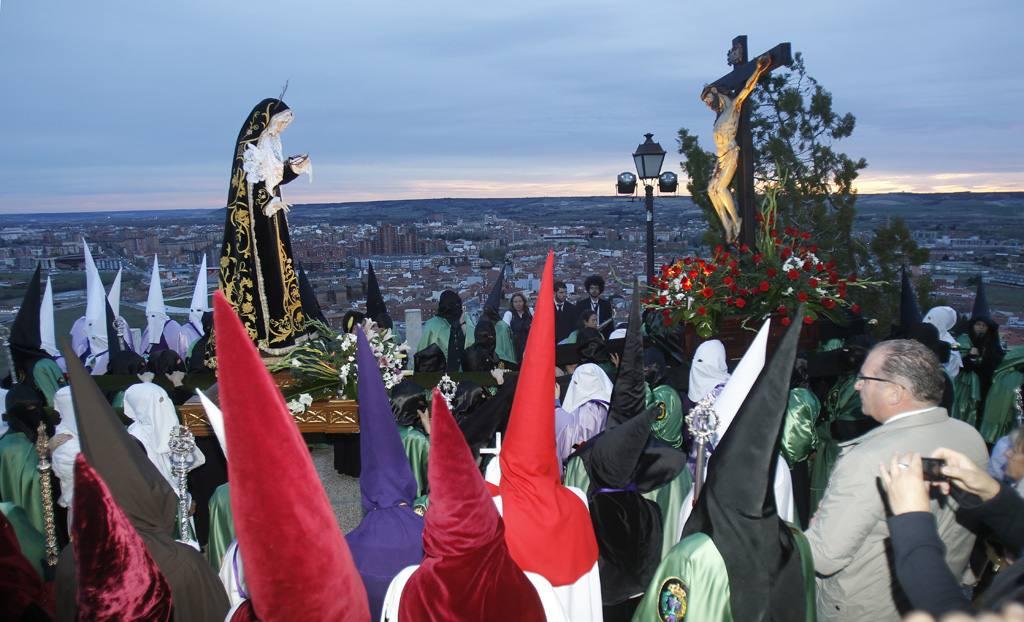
(565, 320)
(604, 313)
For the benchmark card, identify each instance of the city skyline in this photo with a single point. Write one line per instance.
(106, 111)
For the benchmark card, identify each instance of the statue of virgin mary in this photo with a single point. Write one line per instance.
(257, 274)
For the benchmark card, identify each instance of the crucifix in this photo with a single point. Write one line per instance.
(727, 96)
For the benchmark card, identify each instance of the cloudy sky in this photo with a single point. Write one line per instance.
(128, 104)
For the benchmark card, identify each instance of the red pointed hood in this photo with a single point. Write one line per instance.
(297, 564)
(117, 578)
(467, 572)
(547, 527)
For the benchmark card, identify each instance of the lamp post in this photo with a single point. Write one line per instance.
(648, 158)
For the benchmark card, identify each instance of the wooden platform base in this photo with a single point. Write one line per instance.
(330, 417)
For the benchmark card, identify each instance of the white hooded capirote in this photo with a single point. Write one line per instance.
(156, 311)
(153, 419)
(589, 382)
(216, 419)
(200, 300)
(708, 370)
(728, 403)
(95, 306)
(47, 331)
(944, 319)
(114, 295)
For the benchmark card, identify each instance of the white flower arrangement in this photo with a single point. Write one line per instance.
(326, 366)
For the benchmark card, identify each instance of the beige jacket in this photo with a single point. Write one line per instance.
(849, 534)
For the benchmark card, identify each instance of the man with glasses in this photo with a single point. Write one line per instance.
(900, 385)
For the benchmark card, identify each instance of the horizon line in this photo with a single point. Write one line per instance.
(4, 214)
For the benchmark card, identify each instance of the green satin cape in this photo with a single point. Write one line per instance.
(999, 416)
(503, 342)
(19, 477)
(437, 330)
(31, 540)
(669, 426)
(48, 377)
(692, 583)
(417, 448)
(842, 403)
(222, 526)
(799, 439)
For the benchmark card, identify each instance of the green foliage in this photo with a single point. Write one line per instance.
(794, 130)
(891, 248)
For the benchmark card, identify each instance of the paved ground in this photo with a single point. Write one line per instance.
(342, 490)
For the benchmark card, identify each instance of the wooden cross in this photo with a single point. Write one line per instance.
(732, 82)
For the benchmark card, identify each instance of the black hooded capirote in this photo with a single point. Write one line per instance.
(257, 274)
(910, 312)
(376, 308)
(736, 506)
(23, 410)
(628, 527)
(114, 344)
(25, 340)
(146, 499)
(310, 305)
(495, 297)
(628, 392)
(986, 352)
(980, 310)
(449, 306)
(482, 356)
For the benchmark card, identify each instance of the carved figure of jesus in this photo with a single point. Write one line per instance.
(727, 124)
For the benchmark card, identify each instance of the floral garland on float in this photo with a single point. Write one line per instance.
(781, 271)
(324, 367)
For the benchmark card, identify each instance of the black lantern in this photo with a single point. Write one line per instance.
(648, 158)
(668, 182)
(626, 183)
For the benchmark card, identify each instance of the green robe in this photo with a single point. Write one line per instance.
(1000, 416)
(669, 498)
(31, 540)
(48, 377)
(19, 477)
(966, 390)
(417, 448)
(842, 404)
(437, 330)
(222, 526)
(799, 439)
(503, 346)
(692, 583)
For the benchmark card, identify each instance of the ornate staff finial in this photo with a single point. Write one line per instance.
(46, 492)
(702, 422)
(182, 445)
(1018, 406)
(447, 387)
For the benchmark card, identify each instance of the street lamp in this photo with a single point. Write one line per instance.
(648, 158)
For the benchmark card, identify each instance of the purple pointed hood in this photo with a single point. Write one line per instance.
(390, 536)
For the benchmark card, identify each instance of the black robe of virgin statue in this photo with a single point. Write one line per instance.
(257, 274)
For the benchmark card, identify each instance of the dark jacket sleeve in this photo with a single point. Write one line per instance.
(919, 558)
(1002, 514)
